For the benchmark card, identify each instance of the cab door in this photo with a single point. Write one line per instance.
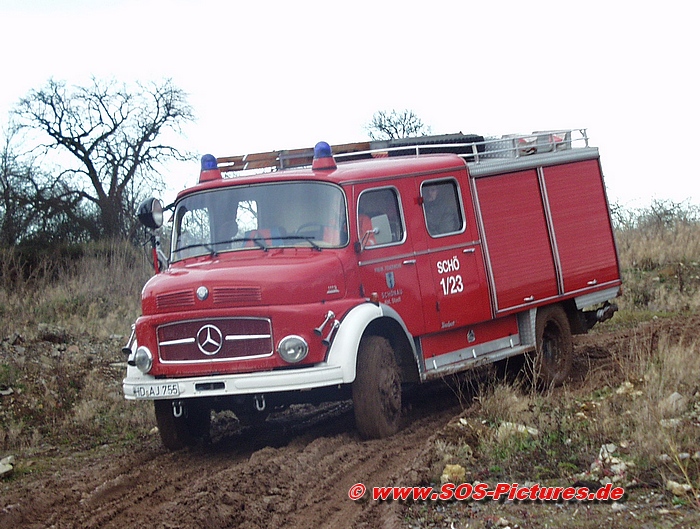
(453, 254)
(387, 259)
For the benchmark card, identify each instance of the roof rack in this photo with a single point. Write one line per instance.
(471, 147)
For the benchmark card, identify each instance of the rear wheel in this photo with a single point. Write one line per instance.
(376, 392)
(181, 423)
(554, 355)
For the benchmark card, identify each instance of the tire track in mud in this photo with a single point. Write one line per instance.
(294, 471)
(304, 483)
(344, 461)
(119, 501)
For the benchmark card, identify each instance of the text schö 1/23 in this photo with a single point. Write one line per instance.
(451, 284)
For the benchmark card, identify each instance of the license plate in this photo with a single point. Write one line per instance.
(154, 391)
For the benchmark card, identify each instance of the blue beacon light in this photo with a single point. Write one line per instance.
(210, 169)
(208, 162)
(323, 157)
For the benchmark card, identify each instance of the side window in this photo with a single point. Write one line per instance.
(441, 206)
(380, 215)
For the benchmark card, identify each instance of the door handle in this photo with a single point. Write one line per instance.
(409, 262)
(592, 282)
(529, 299)
(469, 250)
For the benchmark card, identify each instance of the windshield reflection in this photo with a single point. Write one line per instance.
(263, 216)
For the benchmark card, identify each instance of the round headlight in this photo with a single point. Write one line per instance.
(293, 349)
(143, 359)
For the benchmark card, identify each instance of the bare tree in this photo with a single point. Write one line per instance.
(112, 131)
(15, 217)
(34, 206)
(396, 124)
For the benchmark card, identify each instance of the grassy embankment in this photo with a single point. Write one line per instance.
(62, 327)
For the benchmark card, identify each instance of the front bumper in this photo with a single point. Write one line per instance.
(138, 386)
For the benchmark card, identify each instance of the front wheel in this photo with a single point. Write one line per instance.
(181, 423)
(376, 391)
(555, 351)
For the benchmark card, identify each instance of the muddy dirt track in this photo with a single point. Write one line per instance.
(294, 471)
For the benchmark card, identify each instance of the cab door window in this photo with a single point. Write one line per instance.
(379, 217)
(442, 208)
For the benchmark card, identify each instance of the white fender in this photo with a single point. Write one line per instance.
(343, 349)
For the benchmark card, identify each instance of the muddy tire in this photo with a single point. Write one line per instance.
(555, 351)
(376, 392)
(186, 430)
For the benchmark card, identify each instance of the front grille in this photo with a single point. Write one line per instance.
(215, 340)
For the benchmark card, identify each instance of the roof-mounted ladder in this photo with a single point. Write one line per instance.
(469, 146)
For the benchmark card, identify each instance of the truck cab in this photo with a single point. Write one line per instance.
(333, 279)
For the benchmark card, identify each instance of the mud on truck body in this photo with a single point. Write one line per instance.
(360, 270)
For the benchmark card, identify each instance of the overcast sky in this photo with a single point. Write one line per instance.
(280, 75)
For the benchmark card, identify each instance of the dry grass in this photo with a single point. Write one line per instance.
(630, 419)
(103, 413)
(647, 403)
(659, 249)
(96, 294)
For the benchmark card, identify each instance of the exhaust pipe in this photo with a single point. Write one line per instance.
(602, 314)
(606, 312)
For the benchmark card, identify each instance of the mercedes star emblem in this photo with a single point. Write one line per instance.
(209, 339)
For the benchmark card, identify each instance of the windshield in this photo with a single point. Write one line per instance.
(262, 216)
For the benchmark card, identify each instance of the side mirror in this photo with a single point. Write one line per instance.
(150, 213)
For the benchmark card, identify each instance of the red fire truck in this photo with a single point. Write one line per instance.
(359, 270)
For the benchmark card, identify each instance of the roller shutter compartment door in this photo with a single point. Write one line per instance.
(581, 225)
(517, 239)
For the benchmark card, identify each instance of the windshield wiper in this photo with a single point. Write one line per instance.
(206, 246)
(306, 238)
(257, 240)
(260, 241)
